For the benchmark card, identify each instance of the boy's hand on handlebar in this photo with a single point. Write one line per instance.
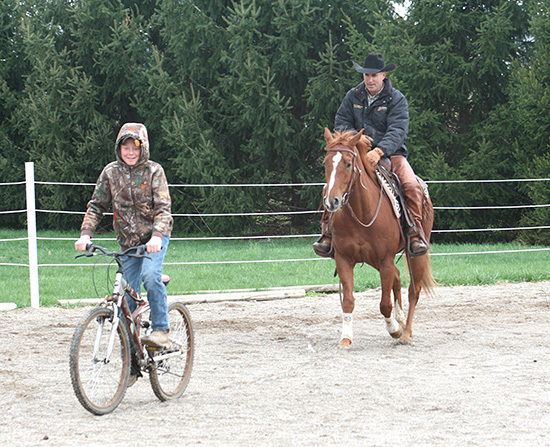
(82, 243)
(154, 245)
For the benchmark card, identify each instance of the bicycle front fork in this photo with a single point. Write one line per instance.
(112, 335)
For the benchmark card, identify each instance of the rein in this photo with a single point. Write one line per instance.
(351, 184)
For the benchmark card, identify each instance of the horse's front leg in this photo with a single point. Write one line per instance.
(398, 302)
(345, 272)
(394, 316)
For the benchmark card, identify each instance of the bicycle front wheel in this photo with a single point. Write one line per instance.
(100, 361)
(171, 367)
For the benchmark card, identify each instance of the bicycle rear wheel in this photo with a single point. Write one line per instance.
(170, 375)
(99, 382)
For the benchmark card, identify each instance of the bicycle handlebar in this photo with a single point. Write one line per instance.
(140, 252)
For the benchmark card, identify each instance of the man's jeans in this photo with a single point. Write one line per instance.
(149, 271)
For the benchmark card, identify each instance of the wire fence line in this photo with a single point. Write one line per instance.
(288, 213)
(13, 211)
(283, 236)
(240, 185)
(32, 237)
(270, 261)
(495, 207)
(13, 183)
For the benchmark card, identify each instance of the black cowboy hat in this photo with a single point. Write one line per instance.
(374, 63)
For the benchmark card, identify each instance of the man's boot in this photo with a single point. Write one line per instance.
(418, 245)
(323, 245)
(414, 195)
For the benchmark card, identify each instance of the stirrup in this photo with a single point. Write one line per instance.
(416, 254)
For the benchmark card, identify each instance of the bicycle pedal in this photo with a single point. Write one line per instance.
(153, 350)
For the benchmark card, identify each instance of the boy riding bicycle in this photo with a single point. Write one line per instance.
(137, 190)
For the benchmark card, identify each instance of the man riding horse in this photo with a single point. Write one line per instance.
(383, 112)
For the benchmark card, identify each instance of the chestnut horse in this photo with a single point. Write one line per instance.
(365, 229)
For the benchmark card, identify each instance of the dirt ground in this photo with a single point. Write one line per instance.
(268, 373)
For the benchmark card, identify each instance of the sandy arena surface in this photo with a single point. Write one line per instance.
(268, 373)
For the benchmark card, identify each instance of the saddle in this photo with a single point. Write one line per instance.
(391, 186)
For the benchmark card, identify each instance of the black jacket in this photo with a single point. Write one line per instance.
(386, 120)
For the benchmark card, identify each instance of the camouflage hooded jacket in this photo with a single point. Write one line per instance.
(138, 195)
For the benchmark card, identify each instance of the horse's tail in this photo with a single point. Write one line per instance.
(428, 282)
(420, 270)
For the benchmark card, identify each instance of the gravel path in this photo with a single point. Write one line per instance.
(268, 374)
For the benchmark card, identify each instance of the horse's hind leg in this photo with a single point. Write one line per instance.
(419, 268)
(414, 293)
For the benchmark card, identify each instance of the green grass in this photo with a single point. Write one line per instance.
(77, 281)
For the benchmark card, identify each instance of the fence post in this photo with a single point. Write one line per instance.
(31, 232)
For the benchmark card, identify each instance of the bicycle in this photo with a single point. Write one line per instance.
(106, 347)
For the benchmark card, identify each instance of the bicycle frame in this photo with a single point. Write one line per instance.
(118, 301)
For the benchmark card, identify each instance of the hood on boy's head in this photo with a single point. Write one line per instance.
(137, 131)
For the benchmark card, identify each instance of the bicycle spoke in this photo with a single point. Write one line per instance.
(169, 375)
(99, 382)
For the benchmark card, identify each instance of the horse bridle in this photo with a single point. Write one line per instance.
(353, 180)
(351, 184)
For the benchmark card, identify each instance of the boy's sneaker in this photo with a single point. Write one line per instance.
(157, 339)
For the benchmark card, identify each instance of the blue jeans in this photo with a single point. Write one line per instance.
(149, 271)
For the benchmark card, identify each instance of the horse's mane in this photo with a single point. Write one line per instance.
(341, 138)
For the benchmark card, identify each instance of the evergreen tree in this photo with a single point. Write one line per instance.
(64, 133)
(528, 120)
(13, 68)
(239, 92)
(454, 61)
(258, 92)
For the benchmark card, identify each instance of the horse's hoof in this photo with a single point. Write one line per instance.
(345, 343)
(405, 339)
(399, 333)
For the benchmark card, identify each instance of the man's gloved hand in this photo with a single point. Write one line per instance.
(367, 141)
(374, 156)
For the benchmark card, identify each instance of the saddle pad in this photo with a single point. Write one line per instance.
(390, 193)
(424, 186)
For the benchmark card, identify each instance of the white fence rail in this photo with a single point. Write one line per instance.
(32, 237)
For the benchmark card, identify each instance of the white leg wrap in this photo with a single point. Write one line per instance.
(392, 325)
(347, 327)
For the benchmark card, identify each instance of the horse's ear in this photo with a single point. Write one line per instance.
(356, 137)
(328, 135)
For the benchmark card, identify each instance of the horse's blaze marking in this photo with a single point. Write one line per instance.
(335, 160)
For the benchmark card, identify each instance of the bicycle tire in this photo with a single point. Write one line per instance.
(170, 377)
(99, 385)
